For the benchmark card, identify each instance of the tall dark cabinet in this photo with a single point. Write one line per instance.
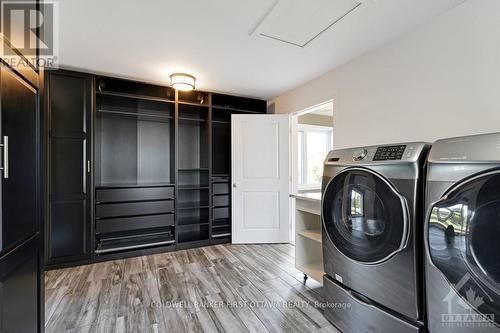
(21, 284)
(69, 107)
(153, 165)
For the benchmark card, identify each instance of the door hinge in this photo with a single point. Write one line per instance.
(88, 166)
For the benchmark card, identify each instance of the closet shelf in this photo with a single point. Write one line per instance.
(142, 97)
(222, 122)
(193, 104)
(193, 169)
(193, 187)
(314, 234)
(221, 206)
(217, 226)
(196, 120)
(134, 114)
(190, 223)
(227, 108)
(192, 205)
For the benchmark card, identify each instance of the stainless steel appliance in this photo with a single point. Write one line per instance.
(372, 237)
(462, 234)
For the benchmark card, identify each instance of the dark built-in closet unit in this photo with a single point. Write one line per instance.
(147, 168)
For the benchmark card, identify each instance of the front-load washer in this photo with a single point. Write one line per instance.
(373, 237)
(462, 235)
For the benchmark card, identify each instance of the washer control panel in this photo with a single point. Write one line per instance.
(389, 153)
(383, 154)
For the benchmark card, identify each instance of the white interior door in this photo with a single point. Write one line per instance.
(260, 178)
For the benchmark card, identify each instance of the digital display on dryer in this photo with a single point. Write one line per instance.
(389, 153)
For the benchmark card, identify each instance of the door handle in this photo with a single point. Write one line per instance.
(234, 185)
(5, 166)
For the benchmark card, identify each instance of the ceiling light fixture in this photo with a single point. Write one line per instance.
(182, 81)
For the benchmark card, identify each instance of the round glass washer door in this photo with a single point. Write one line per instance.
(463, 235)
(364, 216)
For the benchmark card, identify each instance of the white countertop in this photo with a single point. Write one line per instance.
(310, 196)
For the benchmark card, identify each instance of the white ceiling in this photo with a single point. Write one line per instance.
(221, 41)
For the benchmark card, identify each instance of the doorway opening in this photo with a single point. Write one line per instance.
(312, 137)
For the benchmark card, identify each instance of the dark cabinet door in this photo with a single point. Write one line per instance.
(69, 106)
(20, 288)
(18, 137)
(20, 268)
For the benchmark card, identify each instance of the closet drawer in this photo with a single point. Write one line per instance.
(134, 223)
(134, 208)
(220, 188)
(134, 194)
(220, 200)
(220, 213)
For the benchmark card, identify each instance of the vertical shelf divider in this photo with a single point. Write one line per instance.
(176, 165)
(210, 199)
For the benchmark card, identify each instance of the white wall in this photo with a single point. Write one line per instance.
(439, 81)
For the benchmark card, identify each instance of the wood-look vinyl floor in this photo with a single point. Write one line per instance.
(222, 288)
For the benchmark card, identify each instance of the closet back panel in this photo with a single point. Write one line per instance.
(133, 151)
(189, 146)
(199, 215)
(193, 178)
(118, 150)
(221, 148)
(185, 197)
(153, 152)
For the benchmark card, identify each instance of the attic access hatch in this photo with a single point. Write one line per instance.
(300, 22)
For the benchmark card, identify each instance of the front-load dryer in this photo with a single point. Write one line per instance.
(373, 237)
(462, 235)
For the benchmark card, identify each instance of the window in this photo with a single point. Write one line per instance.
(356, 203)
(314, 143)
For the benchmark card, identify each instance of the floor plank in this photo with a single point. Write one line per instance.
(221, 288)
